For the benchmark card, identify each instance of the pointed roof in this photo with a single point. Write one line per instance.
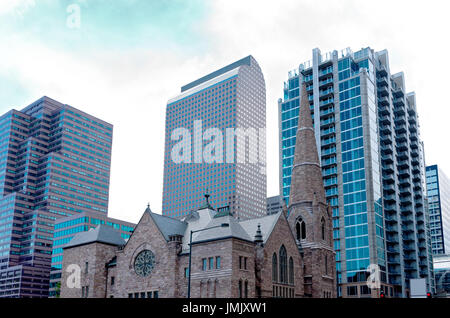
(306, 182)
(101, 234)
(166, 225)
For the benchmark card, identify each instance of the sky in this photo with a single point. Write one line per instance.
(126, 58)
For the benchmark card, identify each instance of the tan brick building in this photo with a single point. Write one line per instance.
(288, 254)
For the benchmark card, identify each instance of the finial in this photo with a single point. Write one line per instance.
(258, 236)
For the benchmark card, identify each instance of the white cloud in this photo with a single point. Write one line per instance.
(16, 6)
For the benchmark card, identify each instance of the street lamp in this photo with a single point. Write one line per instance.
(190, 252)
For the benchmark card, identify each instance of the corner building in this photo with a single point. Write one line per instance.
(229, 98)
(371, 156)
(54, 162)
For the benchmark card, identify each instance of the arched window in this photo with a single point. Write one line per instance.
(274, 268)
(240, 288)
(322, 224)
(283, 265)
(300, 229)
(291, 271)
(246, 289)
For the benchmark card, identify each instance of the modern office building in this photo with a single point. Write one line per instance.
(441, 265)
(372, 163)
(54, 162)
(274, 204)
(438, 193)
(66, 228)
(219, 120)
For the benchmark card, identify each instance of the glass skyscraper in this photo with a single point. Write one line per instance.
(372, 161)
(231, 98)
(54, 162)
(438, 192)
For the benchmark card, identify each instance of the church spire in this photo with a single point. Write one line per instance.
(306, 182)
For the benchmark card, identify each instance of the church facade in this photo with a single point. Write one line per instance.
(288, 254)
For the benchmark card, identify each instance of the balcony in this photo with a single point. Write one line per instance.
(383, 91)
(401, 119)
(328, 131)
(381, 71)
(327, 92)
(399, 102)
(327, 111)
(325, 81)
(382, 81)
(402, 146)
(399, 110)
(385, 119)
(402, 155)
(386, 139)
(398, 92)
(388, 168)
(389, 188)
(387, 159)
(387, 149)
(383, 100)
(326, 102)
(403, 173)
(401, 128)
(391, 207)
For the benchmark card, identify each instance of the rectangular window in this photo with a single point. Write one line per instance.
(86, 268)
(130, 295)
(204, 264)
(211, 263)
(113, 279)
(245, 262)
(186, 272)
(155, 294)
(149, 294)
(352, 290)
(136, 295)
(240, 262)
(87, 291)
(218, 262)
(142, 295)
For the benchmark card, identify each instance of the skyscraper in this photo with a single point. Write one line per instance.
(372, 164)
(54, 162)
(220, 120)
(438, 193)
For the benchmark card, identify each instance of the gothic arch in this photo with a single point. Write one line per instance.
(275, 268)
(283, 265)
(300, 229)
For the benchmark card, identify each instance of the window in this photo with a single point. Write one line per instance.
(204, 264)
(130, 295)
(136, 295)
(149, 294)
(274, 268)
(245, 262)
(291, 271)
(240, 262)
(300, 229)
(352, 290)
(86, 267)
(283, 265)
(142, 295)
(240, 289)
(218, 262)
(211, 263)
(246, 289)
(113, 279)
(155, 294)
(322, 223)
(186, 272)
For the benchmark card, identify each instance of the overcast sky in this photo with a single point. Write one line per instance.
(130, 56)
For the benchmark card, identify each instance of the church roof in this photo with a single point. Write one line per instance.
(101, 234)
(233, 230)
(306, 181)
(166, 225)
(267, 224)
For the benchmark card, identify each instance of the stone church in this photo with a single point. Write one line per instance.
(288, 254)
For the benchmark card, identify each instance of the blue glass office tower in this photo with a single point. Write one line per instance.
(438, 193)
(54, 162)
(230, 98)
(366, 132)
